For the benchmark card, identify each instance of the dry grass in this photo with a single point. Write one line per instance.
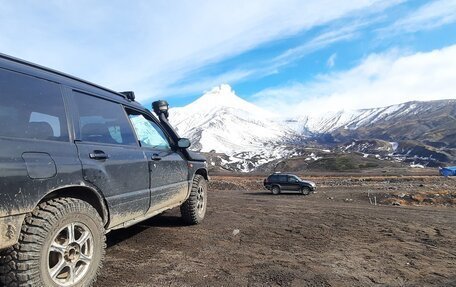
(433, 197)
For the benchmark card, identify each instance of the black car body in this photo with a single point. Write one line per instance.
(279, 182)
(63, 137)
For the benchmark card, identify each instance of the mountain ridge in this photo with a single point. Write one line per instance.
(224, 123)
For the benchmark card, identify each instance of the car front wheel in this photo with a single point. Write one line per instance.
(62, 243)
(305, 190)
(193, 209)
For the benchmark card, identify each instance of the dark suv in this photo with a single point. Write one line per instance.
(279, 182)
(76, 161)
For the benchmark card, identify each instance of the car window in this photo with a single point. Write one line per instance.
(31, 108)
(148, 132)
(103, 121)
(292, 179)
(282, 178)
(53, 121)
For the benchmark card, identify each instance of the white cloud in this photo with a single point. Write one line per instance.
(326, 38)
(380, 80)
(431, 15)
(148, 46)
(331, 60)
(203, 84)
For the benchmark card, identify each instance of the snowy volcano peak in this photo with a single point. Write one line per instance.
(222, 95)
(224, 98)
(221, 121)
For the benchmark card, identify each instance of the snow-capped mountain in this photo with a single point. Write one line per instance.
(243, 135)
(223, 122)
(248, 136)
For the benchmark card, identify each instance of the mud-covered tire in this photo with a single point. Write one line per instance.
(275, 190)
(42, 243)
(193, 209)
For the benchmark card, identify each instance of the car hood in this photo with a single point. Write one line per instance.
(309, 182)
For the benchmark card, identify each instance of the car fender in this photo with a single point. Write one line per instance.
(93, 196)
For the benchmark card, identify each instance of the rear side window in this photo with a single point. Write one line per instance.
(103, 121)
(273, 178)
(31, 108)
(282, 178)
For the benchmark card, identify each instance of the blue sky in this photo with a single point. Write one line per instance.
(287, 55)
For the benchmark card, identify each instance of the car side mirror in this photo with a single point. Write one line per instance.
(183, 143)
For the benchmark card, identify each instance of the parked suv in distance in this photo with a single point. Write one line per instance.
(279, 182)
(76, 161)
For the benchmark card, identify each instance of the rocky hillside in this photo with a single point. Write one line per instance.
(425, 131)
(433, 123)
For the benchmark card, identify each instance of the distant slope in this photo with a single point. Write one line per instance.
(385, 123)
(419, 132)
(433, 121)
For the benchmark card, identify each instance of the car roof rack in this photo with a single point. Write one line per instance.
(58, 73)
(129, 94)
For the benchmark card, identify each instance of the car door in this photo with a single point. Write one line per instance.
(168, 171)
(293, 183)
(283, 181)
(111, 157)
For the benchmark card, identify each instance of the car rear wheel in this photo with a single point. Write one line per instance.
(62, 243)
(275, 190)
(305, 190)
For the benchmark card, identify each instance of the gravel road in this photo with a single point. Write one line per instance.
(253, 238)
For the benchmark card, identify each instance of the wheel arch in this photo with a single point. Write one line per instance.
(203, 173)
(85, 193)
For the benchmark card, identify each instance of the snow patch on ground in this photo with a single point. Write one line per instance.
(394, 145)
(417, 166)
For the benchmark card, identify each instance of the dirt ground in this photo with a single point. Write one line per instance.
(334, 237)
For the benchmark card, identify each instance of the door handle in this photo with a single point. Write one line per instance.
(98, 155)
(156, 157)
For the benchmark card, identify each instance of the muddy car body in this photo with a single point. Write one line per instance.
(76, 161)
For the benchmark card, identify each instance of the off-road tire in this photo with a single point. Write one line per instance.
(27, 262)
(305, 190)
(275, 190)
(193, 209)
